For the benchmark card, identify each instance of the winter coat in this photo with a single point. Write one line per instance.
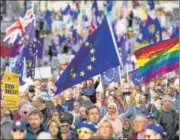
(6, 126)
(31, 135)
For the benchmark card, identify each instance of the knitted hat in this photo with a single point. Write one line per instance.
(88, 125)
(112, 105)
(157, 128)
(19, 125)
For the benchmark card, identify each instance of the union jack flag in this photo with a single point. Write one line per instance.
(94, 23)
(17, 30)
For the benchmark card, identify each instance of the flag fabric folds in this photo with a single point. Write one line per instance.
(151, 4)
(158, 59)
(149, 31)
(35, 47)
(17, 30)
(97, 54)
(136, 77)
(111, 75)
(18, 65)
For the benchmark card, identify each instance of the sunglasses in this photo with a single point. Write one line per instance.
(64, 125)
(25, 112)
(21, 130)
(79, 131)
(147, 136)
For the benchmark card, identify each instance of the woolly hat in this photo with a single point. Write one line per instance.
(112, 105)
(88, 125)
(157, 128)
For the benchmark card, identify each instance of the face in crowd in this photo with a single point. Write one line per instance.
(167, 102)
(93, 115)
(110, 99)
(106, 129)
(84, 133)
(54, 128)
(76, 92)
(89, 83)
(65, 127)
(68, 95)
(82, 112)
(152, 135)
(35, 121)
(126, 124)
(111, 111)
(140, 123)
(127, 88)
(76, 107)
(18, 133)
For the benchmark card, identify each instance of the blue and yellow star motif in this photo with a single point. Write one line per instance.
(89, 66)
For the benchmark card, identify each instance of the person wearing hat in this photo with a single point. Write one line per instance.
(66, 120)
(155, 131)
(86, 130)
(18, 130)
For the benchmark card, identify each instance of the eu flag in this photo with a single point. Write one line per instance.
(151, 29)
(97, 54)
(137, 77)
(19, 67)
(35, 47)
(111, 75)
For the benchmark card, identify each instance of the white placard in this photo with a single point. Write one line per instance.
(65, 58)
(42, 72)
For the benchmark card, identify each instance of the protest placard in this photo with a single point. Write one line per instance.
(11, 90)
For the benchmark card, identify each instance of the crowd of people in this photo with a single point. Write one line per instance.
(119, 111)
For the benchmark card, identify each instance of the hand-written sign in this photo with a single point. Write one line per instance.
(11, 90)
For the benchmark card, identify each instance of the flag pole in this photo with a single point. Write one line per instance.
(114, 41)
(127, 74)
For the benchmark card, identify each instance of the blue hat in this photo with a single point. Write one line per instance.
(157, 128)
(88, 125)
(19, 125)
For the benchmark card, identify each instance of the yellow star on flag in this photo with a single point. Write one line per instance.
(92, 50)
(74, 75)
(82, 73)
(93, 59)
(89, 67)
(87, 44)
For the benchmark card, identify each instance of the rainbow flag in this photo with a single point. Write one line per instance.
(158, 59)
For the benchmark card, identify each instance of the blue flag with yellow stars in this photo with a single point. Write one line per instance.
(137, 77)
(151, 29)
(98, 53)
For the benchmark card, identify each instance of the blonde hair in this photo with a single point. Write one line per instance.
(106, 121)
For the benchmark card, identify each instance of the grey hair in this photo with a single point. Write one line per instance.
(167, 97)
(142, 116)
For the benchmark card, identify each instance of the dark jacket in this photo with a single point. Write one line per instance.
(59, 108)
(31, 135)
(134, 137)
(175, 124)
(153, 110)
(69, 105)
(91, 92)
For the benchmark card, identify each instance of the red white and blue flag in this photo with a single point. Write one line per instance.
(17, 30)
